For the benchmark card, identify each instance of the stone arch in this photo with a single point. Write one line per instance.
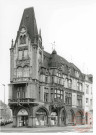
(63, 115)
(41, 116)
(70, 116)
(79, 117)
(40, 107)
(21, 107)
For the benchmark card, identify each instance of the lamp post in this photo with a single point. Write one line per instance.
(4, 91)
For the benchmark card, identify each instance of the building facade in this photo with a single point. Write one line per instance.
(45, 89)
(88, 99)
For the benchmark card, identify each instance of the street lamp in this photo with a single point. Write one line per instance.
(4, 91)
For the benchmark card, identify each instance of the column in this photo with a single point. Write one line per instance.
(30, 121)
(14, 121)
(33, 121)
(60, 124)
(49, 120)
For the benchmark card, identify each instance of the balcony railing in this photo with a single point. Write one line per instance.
(17, 101)
(21, 79)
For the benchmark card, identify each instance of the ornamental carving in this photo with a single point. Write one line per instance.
(22, 63)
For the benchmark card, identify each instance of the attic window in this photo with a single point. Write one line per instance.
(23, 39)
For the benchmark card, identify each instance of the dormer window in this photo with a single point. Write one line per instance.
(76, 73)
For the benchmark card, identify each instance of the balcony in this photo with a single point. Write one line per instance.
(21, 79)
(22, 101)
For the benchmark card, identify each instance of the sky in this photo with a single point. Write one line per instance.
(70, 23)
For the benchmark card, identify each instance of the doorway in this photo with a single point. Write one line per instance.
(22, 118)
(23, 121)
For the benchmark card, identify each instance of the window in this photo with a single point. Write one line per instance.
(39, 93)
(52, 79)
(87, 89)
(90, 102)
(23, 94)
(26, 71)
(79, 100)
(19, 72)
(70, 83)
(79, 86)
(58, 94)
(18, 94)
(46, 79)
(52, 96)
(68, 98)
(87, 100)
(45, 97)
(20, 54)
(23, 39)
(91, 90)
(25, 53)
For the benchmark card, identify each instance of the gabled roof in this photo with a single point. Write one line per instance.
(28, 20)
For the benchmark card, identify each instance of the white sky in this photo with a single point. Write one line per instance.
(70, 23)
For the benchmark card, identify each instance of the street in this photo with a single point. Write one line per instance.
(78, 129)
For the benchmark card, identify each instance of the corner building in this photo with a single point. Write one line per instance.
(45, 89)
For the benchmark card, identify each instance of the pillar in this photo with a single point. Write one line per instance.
(33, 121)
(30, 121)
(14, 121)
(59, 122)
(49, 120)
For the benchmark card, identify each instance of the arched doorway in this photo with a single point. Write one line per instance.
(79, 117)
(22, 118)
(41, 117)
(54, 118)
(70, 116)
(63, 118)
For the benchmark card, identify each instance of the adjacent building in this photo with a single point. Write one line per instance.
(88, 99)
(45, 89)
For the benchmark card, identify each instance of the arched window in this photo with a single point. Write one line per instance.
(19, 72)
(23, 39)
(26, 71)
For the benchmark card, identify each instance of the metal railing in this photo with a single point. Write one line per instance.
(23, 100)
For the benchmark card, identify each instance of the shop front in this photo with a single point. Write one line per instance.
(54, 119)
(22, 118)
(79, 118)
(41, 117)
